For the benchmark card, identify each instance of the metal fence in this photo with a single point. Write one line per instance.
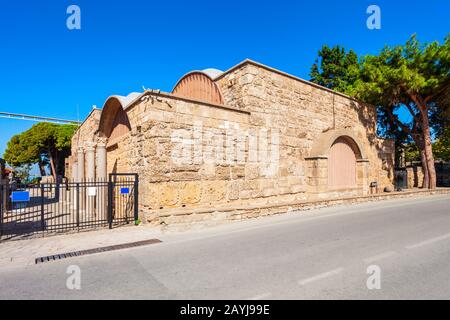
(72, 206)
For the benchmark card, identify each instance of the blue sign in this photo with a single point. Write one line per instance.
(124, 190)
(20, 196)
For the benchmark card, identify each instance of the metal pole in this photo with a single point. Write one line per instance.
(1, 208)
(110, 202)
(78, 205)
(42, 208)
(136, 198)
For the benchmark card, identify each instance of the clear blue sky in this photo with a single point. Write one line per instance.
(47, 70)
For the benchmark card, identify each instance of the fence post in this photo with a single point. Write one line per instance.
(110, 203)
(78, 205)
(42, 209)
(136, 198)
(1, 208)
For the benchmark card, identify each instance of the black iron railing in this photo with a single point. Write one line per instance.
(62, 207)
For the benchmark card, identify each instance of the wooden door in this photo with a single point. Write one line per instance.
(341, 165)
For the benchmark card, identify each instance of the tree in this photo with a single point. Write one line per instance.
(23, 172)
(21, 152)
(414, 76)
(442, 146)
(335, 69)
(44, 144)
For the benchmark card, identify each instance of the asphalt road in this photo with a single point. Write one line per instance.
(322, 253)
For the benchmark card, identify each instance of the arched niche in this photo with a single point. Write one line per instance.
(199, 85)
(114, 121)
(322, 145)
(337, 162)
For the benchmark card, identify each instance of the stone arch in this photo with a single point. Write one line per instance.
(322, 146)
(114, 121)
(321, 160)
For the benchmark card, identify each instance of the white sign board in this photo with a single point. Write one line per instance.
(92, 191)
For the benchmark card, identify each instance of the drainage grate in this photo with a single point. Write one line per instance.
(62, 256)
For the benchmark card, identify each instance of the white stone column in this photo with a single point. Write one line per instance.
(73, 189)
(80, 161)
(81, 177)
(101, 161)
(75, 172)
(102, 180)
(90, 162)
(91, 191)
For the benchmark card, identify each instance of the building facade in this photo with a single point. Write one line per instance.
(251, 135)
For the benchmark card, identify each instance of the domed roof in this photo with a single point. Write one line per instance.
(212, 73)
(126, 100)
(200, 85)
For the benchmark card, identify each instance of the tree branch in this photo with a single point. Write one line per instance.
(395, 119)
(434, 95)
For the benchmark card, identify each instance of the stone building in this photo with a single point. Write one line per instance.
(249, 136)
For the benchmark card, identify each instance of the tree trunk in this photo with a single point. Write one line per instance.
(42, 169)
(52, 166)
(426, 176)
(428, 148)
(418, 140)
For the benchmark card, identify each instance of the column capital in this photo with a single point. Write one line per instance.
(101, 145)
(89, 146)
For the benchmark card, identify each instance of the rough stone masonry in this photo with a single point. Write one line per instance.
(249, 136)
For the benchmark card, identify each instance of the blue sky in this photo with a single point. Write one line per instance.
(49, 70)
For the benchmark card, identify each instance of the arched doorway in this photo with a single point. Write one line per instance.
(342, 164)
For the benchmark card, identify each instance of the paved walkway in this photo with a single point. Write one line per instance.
(24, 252)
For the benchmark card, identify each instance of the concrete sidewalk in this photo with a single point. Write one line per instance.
(24, 252)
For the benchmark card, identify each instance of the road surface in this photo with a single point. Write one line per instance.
(322, 253)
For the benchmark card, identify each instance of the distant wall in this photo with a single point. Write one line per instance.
(415, 175)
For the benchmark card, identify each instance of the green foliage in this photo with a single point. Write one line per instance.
(43, 141)
(335, 69)
(442, 146)
(393, 77)
(21, 151)
(413, 76)
(23, 172)
(411, 152)
(63, 135)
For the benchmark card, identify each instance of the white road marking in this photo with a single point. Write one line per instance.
(429, 241)
(321, 276)
(380, 256)
(261, 296)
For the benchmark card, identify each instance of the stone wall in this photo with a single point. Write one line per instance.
(267, 144)
(443, 174)
(415, 175)
(191, 154)
(302, 112)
